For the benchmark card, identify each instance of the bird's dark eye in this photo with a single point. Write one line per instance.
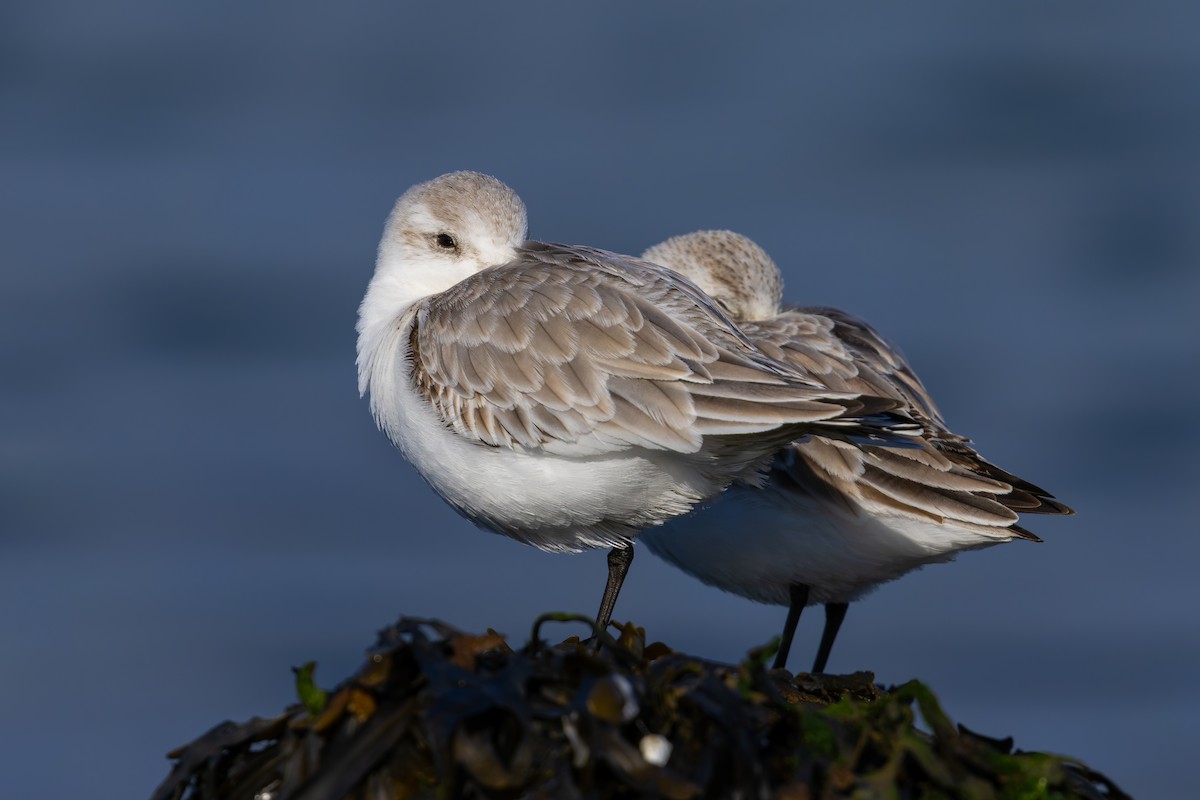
(446, 241)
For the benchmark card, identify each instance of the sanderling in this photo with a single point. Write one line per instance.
(565, 396)
(834, 519)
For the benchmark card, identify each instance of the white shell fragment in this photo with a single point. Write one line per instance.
(655, 749)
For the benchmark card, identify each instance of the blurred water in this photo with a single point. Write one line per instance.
(193, 498)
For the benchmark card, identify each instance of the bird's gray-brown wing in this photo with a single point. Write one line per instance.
(577, 351)
(943, 480)
(847, 353)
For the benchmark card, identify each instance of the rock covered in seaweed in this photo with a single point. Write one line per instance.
(435, 712)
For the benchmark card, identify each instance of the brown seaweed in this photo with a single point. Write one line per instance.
(435, 712)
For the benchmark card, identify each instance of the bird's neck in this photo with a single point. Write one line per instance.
(380, 316)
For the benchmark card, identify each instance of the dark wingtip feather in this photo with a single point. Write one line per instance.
(1052, 506)
(1025, 498)
(1024, 534)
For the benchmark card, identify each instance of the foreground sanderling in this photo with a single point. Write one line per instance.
(565, 396)
(833, 520)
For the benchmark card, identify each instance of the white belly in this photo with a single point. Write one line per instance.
(550, 501)
(758, 542)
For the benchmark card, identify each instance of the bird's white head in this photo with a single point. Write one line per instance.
(440, 233)
(729, 267)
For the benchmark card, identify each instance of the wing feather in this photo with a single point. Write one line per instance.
(569, 344)
(944, 478)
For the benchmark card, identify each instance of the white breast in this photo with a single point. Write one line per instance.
(550, 501)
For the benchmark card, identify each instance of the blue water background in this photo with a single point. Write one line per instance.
(193, 498)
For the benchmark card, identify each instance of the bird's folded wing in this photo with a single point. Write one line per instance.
(845, 353)
(943, 479)
(577, 348)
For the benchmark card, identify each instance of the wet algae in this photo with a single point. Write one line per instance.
(435, 712)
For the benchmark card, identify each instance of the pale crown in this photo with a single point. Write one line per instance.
(445, 230)
(729, 267)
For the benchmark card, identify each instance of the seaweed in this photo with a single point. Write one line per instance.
(438, 713)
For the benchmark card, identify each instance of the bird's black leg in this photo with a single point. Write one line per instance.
(619, 559)
(799, 600)
(834, 614)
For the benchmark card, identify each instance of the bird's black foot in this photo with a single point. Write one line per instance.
(619, 559)
(799, 599)
(834, 614)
